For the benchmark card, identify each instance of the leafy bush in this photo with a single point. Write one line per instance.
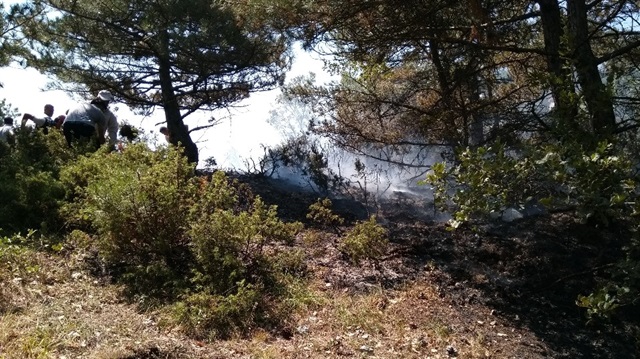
(17, 265)
(169, 234)
(365, 241)
(621, 290)
(320, 213)
(30, 188)
(136, 201)
(230, 245)
(599, 185)
(208, 316)
(490, 179)
(303, 156)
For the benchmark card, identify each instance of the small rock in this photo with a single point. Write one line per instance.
(366, 348)
(76, 275)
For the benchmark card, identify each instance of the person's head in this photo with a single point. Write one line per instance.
(8, 121)
(164, 131)
(48, 110)
(105, 96)
(59, 120)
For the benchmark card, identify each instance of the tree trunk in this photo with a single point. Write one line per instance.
(562, 88)
(598, 100)
(179, 135)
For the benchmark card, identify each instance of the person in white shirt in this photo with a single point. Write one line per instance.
(86, 121)
(112, 121)
(6, 131)
(41, 122)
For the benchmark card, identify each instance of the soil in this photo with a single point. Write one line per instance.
(526, 274)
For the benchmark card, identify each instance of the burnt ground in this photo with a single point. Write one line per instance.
(527, 273)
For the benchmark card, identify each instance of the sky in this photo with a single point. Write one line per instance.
(237, 138)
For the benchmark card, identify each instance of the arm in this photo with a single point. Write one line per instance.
(38, 121)
(112, 127)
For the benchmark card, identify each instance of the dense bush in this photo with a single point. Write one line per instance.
(30, 188)
(321, 214)
(169, 234)
(136, 201)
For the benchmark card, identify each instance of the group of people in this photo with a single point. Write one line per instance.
(84, 122)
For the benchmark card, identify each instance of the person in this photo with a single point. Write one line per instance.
(112, 121)
(41, 122)
(167, 135)
(165, 131)
(58, 121)
(86, 121)
(6, 131)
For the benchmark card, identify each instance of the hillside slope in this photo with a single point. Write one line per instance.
(497, 291)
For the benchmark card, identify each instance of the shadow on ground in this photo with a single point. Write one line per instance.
(529, 272)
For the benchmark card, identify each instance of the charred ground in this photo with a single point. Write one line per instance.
(526, 273)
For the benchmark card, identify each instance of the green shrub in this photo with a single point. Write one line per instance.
(137, 202)
(597, 183)
(320, 213)
(17, 266)
(367, 240)
(620, 291)
(168, 234)
(208, 316)
(30, 187)
(229, 241)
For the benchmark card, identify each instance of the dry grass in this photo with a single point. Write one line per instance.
(52, 307)
(58, 310)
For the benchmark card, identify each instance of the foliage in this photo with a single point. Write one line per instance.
(490, 179)
(367, 240)
(17, 265)
(181, 56)
(14, 254)
(600, 186)
(136, 201)
(304, 156)
(320, 213)
(620, 291)
(229, 243)
(169, 234)
(212, 316)
(30, 187)
(10, 46)
(7, 111)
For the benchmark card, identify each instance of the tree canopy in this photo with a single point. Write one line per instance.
(181, 56)
(469, 72)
